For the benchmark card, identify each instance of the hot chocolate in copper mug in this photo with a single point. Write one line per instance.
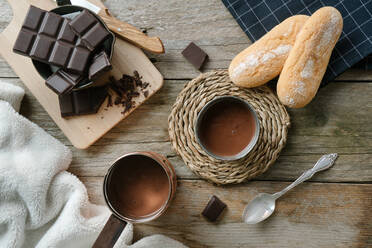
(137, 188)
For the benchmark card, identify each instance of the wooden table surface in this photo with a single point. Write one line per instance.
(331, 210)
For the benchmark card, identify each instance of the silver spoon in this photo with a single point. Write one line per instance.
(263, 205)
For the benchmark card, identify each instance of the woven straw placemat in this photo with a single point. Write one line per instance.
(273, 117)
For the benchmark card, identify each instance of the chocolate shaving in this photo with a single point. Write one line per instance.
(127, 88)
(109, 100)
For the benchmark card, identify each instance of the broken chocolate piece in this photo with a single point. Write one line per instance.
(100, 65)
(47, 37)
(213, 209)
(89, 29)
(62, 82)
(195, 55)
(82, 102)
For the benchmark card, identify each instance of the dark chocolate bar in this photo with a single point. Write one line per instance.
(195, 55)
(47, 37)
(62, 82)
(82, 102)
(100, 65)
(213, 209)
(89, 29)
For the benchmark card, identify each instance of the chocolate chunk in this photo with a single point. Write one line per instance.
(195, 55)
(61, 82)
(47, 37)
(213, 209)
(82, 102)
(89, 29)
(100, 65)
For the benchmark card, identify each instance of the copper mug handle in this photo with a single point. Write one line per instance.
(115, 225)
(110, 233)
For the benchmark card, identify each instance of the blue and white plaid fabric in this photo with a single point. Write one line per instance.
(256, 17)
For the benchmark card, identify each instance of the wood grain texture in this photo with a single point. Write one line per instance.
(330, 211)
(84, 130)
(207, 23)
(312, 215)
(319, 128)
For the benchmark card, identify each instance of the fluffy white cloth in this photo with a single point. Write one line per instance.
(11, 94)
(41, 204)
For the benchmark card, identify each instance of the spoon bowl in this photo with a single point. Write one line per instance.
(259, 209)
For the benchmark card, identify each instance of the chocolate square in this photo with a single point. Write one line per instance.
(62, 82)
(59, 54)
(79, 59)
(66, 105)
(33, 18)
(213, 209)
(100, 65)
(82, 22)
(66, 33)
(195, 55)
(50, 24)
(24, 42)
(82, 102)
(41, 48)
(95, 35)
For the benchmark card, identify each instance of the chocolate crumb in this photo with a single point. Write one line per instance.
(115, 89)
(117, 100)
(127, 88)
(109, 100)
(136, 74)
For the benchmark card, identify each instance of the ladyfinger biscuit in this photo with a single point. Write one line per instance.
(264, 59)
(309, 57)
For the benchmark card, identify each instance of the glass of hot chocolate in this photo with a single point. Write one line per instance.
(227, 128)
(137, 188)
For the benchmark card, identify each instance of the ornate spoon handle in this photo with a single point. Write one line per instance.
(324, 163)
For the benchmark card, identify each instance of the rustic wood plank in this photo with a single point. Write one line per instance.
(208, 23)
(319, 128)
(312, 215)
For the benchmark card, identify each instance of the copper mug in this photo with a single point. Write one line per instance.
(129, 183)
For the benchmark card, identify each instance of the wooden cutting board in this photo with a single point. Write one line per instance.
(82, 131)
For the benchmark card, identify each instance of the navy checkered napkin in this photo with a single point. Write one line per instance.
(256, 17)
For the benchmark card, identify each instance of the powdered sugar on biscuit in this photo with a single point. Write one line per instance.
(267, 57)
(289, 101)
(282, 49)
(255, 59)
(307, 72)
(329, 31)
(299, 88)
(251, 60)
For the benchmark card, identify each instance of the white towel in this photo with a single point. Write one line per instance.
(41, 204)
